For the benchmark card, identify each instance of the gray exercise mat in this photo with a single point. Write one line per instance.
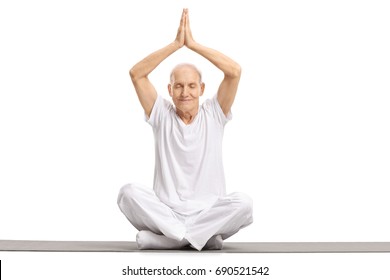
(229, 247)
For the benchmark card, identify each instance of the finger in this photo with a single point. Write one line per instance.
(182, 19)
(187, 18)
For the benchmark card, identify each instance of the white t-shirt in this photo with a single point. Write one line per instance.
(189, 175)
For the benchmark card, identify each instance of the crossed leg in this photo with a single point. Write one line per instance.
(161, 228)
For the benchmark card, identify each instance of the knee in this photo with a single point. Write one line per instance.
(243, 203)
(127, 192)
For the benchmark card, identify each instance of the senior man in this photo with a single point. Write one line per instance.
(188, 205)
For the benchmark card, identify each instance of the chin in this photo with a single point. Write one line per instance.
(187, 105)
(185, 108)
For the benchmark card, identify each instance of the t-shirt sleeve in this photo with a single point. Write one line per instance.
(214, 107)
(160, 107)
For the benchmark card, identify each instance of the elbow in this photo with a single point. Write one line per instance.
(137, 73)
(133, 74)
(235, 72)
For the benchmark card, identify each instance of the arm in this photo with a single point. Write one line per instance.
(146, 92)
(232, 71)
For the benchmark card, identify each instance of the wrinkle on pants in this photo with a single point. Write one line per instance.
(145, 211)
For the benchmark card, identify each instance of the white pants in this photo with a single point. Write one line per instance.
(145, 211)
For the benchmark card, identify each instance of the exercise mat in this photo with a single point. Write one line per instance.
(229, 247)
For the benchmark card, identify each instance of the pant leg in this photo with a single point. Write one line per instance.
(226, 217)
(145, 211)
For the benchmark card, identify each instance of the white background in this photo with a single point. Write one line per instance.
(308, 140)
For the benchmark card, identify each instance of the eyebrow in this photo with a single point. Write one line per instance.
(181, 83)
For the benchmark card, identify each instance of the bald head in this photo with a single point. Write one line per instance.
(186, 66)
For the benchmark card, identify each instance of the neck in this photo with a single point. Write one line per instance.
(186, 117)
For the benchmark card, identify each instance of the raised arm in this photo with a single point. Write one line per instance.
(139, 72)
(232, 70)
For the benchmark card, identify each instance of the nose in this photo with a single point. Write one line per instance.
(185, 91)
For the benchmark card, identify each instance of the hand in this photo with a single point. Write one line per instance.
(189, 40)
(180, 37)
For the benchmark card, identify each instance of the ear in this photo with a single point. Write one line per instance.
(170, 90)
(202, 87)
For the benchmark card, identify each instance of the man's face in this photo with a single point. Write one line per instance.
(185, 89)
